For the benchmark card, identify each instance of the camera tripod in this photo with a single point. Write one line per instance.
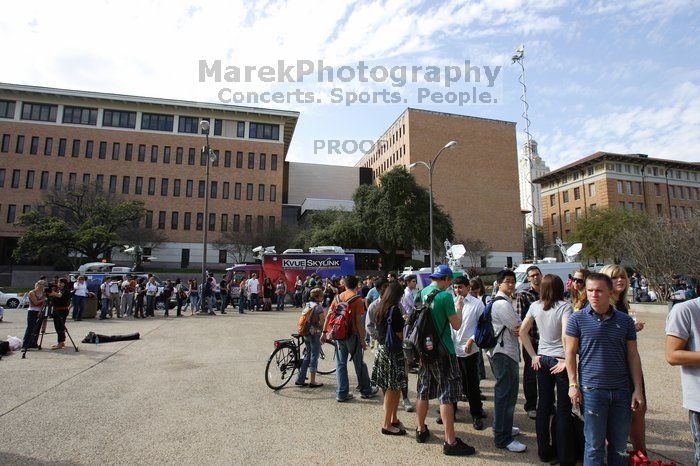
(40, 330)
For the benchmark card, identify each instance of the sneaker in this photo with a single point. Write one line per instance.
(515, 431)
(407, 405)
(348, 397)
(372, 393)
(60, 345)
(516, 447)
(532, 414)
(478, 423)
(422, 436)
(458, 449)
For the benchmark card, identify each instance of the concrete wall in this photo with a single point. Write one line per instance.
(310, 180)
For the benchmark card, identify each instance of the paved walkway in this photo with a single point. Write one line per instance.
(192, 391)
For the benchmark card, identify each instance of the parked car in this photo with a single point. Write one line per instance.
(9, 300)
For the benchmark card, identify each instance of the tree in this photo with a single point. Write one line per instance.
(240, 244)
(600, 233)
(475, 250)
(84, 221)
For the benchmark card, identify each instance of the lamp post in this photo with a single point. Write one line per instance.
(430, 166)
(210, 156)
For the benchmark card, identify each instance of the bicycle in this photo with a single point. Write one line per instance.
(285, 360)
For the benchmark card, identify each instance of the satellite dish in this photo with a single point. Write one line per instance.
(458, 251)
(258, 249)
(574, 249)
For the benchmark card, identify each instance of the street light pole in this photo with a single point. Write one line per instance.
(204, 125)
(430, 166)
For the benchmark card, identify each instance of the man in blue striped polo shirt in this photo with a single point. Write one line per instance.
(606, 342)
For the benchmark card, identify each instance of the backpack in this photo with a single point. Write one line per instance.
(422, 343)
(484, 336)
(391, 343)
(339, 325)
(306, 320)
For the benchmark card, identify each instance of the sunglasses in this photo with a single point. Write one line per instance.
(578, 280)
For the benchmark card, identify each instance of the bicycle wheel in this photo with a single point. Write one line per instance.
(280, 367)
(326, 360)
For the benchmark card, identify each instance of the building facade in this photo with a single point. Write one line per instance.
(657, 187)
(144, 149)
(476, 181)
(528, 172)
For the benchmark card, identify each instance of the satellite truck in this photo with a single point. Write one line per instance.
(549, 265)
(453, 254)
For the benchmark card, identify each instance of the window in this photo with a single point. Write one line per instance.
(188, 188)
(201, 190)
(187, 221)
(227, 159)
(578, 212)
(260, 224)
(273, 162)
(212, 222)
(640, 206)
(43, 182)
(225, 190)
(239, 159)
(261, 165)
(5, 143)
(15, 179)
(565, 195)
(39, 112)
(217, 127)
(72, 177)
(173, 221)
(248, 223)
(271, 222)
(630, 205)
(264, 131)
(659, 210)
(157, 122)
(154, 154)
(249, 192)
(237, 191)
(554, 219)
(251, 160)
(129, 151)
(591, 190)
(590, 171)
(102, 153)
(176, 188)
(629, 187)
(552, 200)
(178, 155)
(622, 205)
(7, 109)
(213, 187)
(261, 192)
(164, 187)
(222, 256)
(11, 213)
(273, 193)
(593, 206)
(142, 152)
(200, 221)
(671, 192)
(86, 179)
(119, 119)
(19, 147)
(80, 116)
(236, 222)
(166, 154)
(62, 147)
(149, 219)
(151, 186)
(674, 213)
(138, 189)
(29, 183)
(619, 187)
(112, 183)
(657, 189)
(577, 194)
(126, 180)
(190, 156)
(639, 188)
(115, 151)
(215, 162)
(58, 181)
(224, 222)
(188, 125)
(240, 129)
(34, 145)
(161, 220)
(567, 216)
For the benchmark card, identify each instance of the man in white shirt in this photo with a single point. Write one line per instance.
(466, 350)
(253, 286)
(114, 297)
(409, 295)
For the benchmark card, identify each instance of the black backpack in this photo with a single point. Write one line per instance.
(423, 343)
(484, 335)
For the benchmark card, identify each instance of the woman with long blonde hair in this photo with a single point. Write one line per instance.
(577, 289)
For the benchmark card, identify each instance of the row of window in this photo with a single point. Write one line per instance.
(577, 194)
(177, 186)
(681, 212)
(127, 119)
(632, 189)
(655, 171)
(103, 148)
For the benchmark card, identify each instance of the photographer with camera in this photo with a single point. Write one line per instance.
(60, 298)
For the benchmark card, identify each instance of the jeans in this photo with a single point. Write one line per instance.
(150, 305)
(59, 323)
(310, 362)
(32, 333)
(224, 301)
(254, 300)
(194, 302)
(127, 303)
(469, 370)
(351, 346)
(78, 306)
(561, 438)
(105, 308)
(505, 370)
(607, 415)
(694, 419)
(529, 380)
(297, 299)
(280, 302)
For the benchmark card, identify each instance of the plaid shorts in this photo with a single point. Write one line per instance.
(440, 380)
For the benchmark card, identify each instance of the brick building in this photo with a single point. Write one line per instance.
(147, 149)
(658, 187)
(476, 182)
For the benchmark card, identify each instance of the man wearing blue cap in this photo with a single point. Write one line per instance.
(441, 379)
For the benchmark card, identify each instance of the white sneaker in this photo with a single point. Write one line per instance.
(515, 431)
(516, 447)
(407, 405)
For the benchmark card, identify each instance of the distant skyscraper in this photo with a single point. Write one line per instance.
(539, 168)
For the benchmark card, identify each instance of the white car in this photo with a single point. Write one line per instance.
(9, 300)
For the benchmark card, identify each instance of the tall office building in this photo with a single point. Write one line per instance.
(535, 170)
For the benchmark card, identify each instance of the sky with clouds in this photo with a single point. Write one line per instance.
(601, 75)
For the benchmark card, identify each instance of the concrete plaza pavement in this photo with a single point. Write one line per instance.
(192, 391)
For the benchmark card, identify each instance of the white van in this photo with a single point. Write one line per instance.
(562, 269)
